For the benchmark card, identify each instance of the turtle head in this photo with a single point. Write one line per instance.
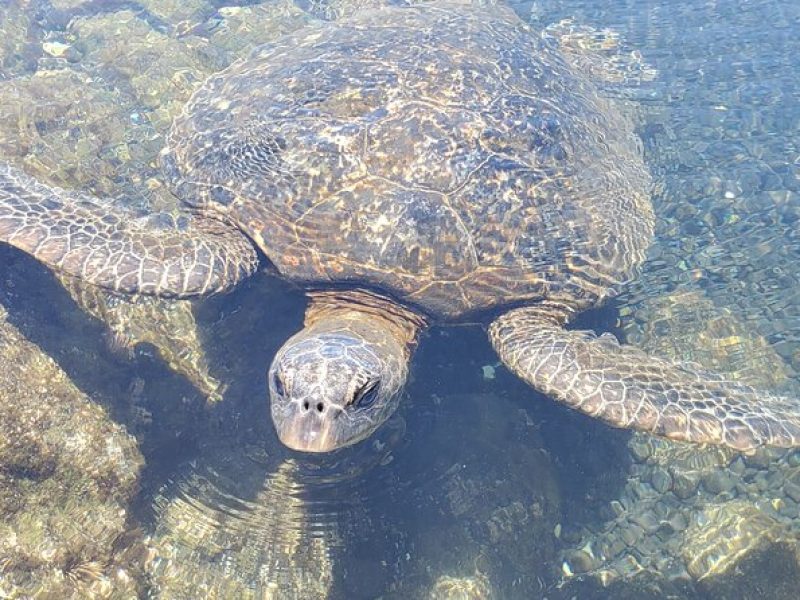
(336, 381)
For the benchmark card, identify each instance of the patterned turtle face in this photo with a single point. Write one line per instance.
(335, 382)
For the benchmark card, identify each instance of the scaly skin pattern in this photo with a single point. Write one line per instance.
(625, 387)
(111, 247)
(351, 342)
(443, 153)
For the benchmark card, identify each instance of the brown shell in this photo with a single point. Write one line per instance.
(443, 153)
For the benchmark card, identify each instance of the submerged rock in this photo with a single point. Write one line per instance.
(220, 533)
(70, 128)
(475, 587)
(713, 507)
(67, 474)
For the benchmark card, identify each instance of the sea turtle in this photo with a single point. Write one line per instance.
(407, 165)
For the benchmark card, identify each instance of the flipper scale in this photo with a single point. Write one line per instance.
(107, 245)
(627, 388)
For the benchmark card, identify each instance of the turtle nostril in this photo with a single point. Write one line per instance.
(320, 406)
(305, 405)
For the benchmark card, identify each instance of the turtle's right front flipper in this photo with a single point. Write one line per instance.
(104, 244)
(625, 387)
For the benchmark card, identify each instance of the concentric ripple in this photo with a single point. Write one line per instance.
(244, 522)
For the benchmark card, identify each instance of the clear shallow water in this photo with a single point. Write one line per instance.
(475, 474)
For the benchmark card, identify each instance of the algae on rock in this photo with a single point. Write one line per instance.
(67, 474)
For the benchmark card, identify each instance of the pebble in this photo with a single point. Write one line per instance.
(738, 466)
(789, 508)
(642, 490)
(57, 49)
(759, 459)
(792, 490)
(794, 478)
(775, 480)
(579, 561)
(760, 480)
(684, 486)
(640, 449)
(678, 522)
(661, 481)
(632, 534)
(794, 459)
(719, 482)
(646, 521)
(616, 548)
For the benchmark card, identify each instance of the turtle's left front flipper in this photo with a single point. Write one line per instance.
(102, 243)
(625, 387)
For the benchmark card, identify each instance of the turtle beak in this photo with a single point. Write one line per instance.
(305, 428)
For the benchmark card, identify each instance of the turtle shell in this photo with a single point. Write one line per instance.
(442, 153)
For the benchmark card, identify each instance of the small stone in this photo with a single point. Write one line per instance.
(640, 449)
(719, 482)
(579, 561)
(789, 508)
(759, 459)
(642, 490)
(684, 486)
(793, 491)
(631, 535)
(678, 522)
(646, 521)
(738, 466)
(56, 49)
(617, 507)
(775, 480)
(794, 478)
(616, 548)
(760, 480)
(661, 481)
(794, 459)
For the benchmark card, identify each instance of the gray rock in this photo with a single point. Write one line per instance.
(738, 466)
(792, 490)
(581, 561)
(719, 482)
(640, 449)
(632, 534)
(661, 481)
(794, 459)
(647, 521)
(760, 459)
(684, 485)
(776, 480)
(789, 508)
(760, 481)
(678, 522)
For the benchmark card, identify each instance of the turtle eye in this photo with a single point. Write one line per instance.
(277, 383)
(366, 394)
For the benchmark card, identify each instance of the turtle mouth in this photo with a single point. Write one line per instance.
(307, 437)
(307, 430)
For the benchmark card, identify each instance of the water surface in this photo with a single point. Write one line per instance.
(478, 481)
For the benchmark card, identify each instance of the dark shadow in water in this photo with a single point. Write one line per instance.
(45, 313)
(395, 507)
